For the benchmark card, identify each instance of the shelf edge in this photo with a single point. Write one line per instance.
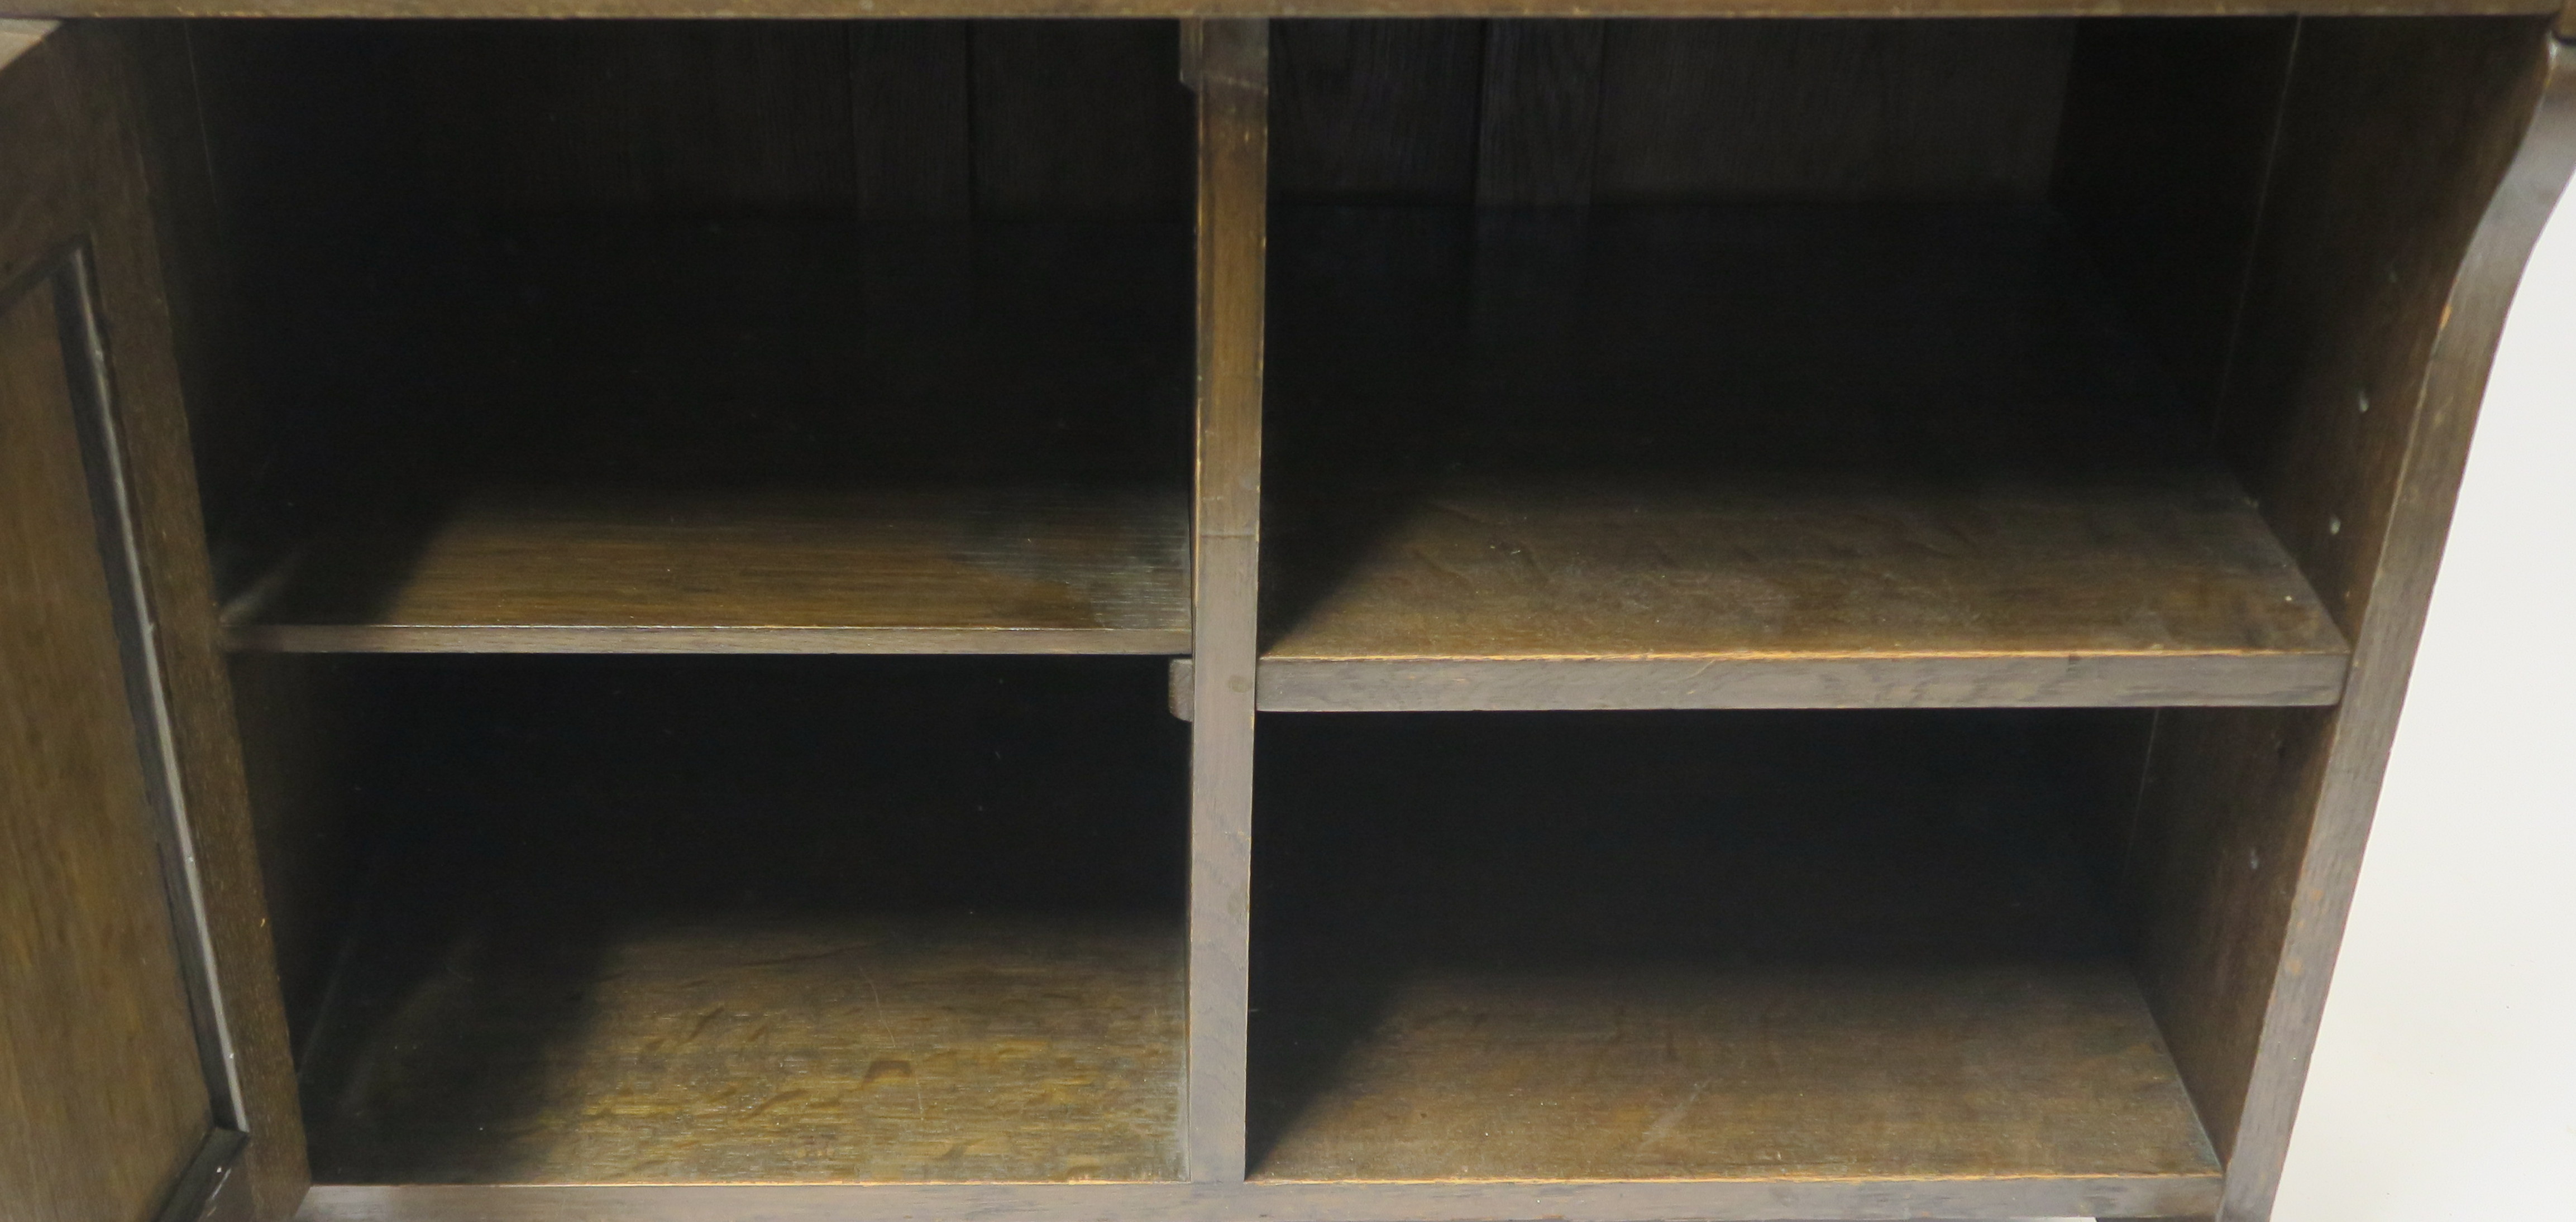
(1710, 1200)
(1337, 685)
(376, 638)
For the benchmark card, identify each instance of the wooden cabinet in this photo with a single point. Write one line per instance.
(1436, 613)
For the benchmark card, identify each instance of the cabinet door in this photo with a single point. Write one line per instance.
(114, 1099)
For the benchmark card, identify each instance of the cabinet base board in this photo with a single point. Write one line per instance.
(1711, 1201)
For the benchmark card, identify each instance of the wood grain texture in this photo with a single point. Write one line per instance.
(1633, 946)
(1811, 593)
(1038, 570)
(1893, 441)
(1792, 1075)
(103, 1100)
(809, 920)
(86, 154)
(1080, 119)
(1233, 75)
(2458, 134)
(1784, 110)
(1375, 111)
(1541, 113)
(1260, 8)
(1716, 1201)
(962, 1048)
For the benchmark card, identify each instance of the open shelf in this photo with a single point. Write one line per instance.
(1745, 457)
(744, 920)
(757, 436)
(1037, 570)
(1808, 593)
(718, 354)
(1703, 945)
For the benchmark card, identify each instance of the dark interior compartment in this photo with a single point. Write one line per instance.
(1703, 945)
(693, 919)
(1893, 344)
(902, 288)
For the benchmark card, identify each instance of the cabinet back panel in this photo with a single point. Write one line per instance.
(1517, 113)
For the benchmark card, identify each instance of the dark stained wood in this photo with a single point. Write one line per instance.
(1038, 570)
(653, 920)
(1780, 110)
(1375, 111)
(1767, 457)
(1233, 75)
(1739, 946)
(912, 91)
(1715, 1200)
(1254, 8)
(302, 718)
(1991, 392)
(1540, 115)
(2162, 165)
(674, 118)
(1809, 593)
(1080, 119)
(1957, 343)
(964, 1048)
(103, 1100)
(1648, 1075)
(81, 145)
(2254, 823)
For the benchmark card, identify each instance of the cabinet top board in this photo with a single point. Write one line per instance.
(1263, 8)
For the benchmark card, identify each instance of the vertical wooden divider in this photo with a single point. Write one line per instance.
(1229, 62)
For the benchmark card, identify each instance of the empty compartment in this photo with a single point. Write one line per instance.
(664, 920)
(700, 336)
(1705, 945)
(1774, 363)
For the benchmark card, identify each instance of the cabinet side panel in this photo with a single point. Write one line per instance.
(139, 219)
(2385, 260)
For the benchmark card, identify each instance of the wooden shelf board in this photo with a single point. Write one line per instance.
(1997, 1073)
(815, 1050)
(665, 920)
(1809, 593)
(1265, 8)
(1782, 946)
(1031, 570)
(1713, 1200)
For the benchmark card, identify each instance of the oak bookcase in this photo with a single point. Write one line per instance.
(1365, 611)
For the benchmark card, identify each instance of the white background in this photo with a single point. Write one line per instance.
(2444, 1085)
